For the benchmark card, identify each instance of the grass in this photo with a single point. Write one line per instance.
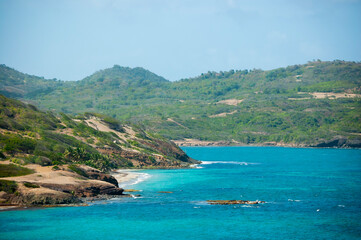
(12, 170)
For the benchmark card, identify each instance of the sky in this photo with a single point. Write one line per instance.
(71, 39)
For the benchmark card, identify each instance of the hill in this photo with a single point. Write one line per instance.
(64, 159)
(314, 104)
(19, 85)
(28, 135)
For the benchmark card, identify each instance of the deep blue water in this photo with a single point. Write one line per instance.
(309, 194)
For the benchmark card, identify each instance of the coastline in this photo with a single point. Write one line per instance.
(335, 143)
(200, 143)
(128, 177)
(124, 177)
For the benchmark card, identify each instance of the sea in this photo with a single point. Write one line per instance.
(308, 194)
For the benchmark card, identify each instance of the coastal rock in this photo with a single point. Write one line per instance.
(233, 202)
(131, 190)
(48, 187)
(103, 177)
(93, 173)
(339, 143)
(86, 189)
(43, 199)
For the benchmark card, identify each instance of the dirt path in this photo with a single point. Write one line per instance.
(171, 120)
(232, 102)
(223, 114)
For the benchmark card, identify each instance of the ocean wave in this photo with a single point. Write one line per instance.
(195, 166)
(226, 162)
(138, 179)
(135, 197)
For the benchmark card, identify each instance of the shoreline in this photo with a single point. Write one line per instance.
(125, 178)
(128, 177)
(199, 143)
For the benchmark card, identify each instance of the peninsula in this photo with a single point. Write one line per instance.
(48, 158)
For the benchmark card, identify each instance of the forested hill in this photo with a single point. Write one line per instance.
(304, 105)
(16, 84)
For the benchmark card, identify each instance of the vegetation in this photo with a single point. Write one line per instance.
(32, 136)
(8, 186)
(31, 185)
(78, 170)
(277, 106)
(12, 170)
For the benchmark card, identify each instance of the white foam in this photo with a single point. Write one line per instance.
(140, 177)
(135, 197)
(225, 162)
(246, 206)
(195, 166)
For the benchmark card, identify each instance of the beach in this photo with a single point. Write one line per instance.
(128, 177)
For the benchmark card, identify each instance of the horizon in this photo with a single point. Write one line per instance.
(175, 39)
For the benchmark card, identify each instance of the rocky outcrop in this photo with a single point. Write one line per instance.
(131, 190)
(103, 177)
(233, 202)
(339, 143)
(54, 194)
(36, 199)
(65, 185)
(93, 173)
(169, 148)
(86, 189)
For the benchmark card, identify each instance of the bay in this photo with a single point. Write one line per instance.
(309, 194)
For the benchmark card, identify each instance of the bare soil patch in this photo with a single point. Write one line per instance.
(232, 102)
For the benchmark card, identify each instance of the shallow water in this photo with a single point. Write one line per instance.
(309, 194)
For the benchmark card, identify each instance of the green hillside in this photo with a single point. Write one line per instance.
(19, 85)
(28, 135)
(302, 104)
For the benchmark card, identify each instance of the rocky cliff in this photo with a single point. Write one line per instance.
(51, 186)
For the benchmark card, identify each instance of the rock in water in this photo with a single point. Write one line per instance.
(232, 202)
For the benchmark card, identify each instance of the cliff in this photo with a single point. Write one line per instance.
(68, 184)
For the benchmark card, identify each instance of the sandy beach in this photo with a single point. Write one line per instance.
(127, 177)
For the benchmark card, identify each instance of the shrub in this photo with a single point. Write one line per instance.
(4, 124)
(18, 161)
(55, 168)
(43, 161)
(78, 170)
(113, 124)
(8, 186)
(19, 144)
(31, 185)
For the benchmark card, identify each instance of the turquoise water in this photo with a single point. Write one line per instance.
(309, 194)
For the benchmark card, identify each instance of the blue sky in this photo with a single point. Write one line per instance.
(71, 39)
